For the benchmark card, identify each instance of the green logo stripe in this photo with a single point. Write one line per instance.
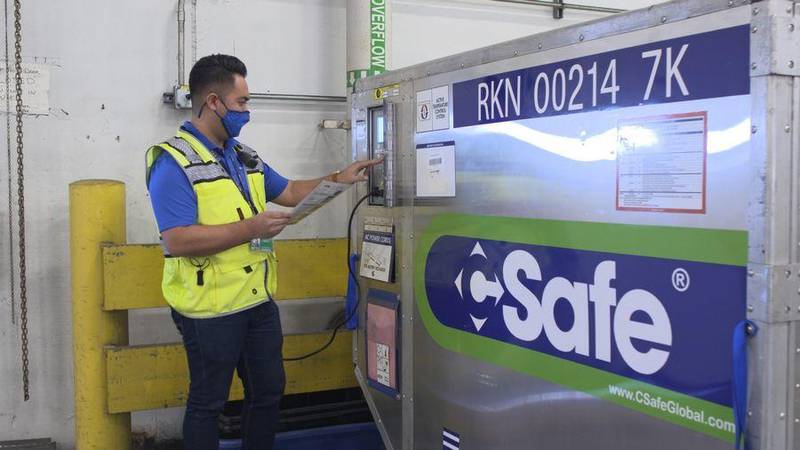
(685, 244)
(713, 246)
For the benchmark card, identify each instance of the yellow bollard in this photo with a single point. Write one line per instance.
(96, 216)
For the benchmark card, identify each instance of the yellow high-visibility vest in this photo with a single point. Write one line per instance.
(231, 280)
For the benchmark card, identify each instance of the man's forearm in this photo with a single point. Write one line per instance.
(299, 189)
(205, 240)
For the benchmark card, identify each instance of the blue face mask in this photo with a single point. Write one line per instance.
(233, 121)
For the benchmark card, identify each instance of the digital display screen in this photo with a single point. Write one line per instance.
(377, 129)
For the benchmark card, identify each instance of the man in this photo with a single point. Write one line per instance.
(209, 195)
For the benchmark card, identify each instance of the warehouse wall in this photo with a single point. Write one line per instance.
(109, 63)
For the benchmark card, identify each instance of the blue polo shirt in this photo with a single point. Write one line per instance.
(172, 196)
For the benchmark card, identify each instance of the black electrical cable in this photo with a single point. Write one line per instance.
(358, 288)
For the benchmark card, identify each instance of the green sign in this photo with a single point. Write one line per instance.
(377, 36)
(354, 75)
(377, 43)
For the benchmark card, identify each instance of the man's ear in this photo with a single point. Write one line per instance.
(211, 100)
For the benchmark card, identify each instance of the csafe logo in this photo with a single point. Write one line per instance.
(589, 306)
(528, 317)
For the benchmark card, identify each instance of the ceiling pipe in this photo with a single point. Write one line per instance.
(563, 6)
(181, 43)
(298, 97)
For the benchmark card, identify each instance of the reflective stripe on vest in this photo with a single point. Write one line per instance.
(230, 280)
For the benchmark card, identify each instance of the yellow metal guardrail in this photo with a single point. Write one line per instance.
(110, 277)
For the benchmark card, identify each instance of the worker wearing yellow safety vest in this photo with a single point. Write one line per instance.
(209, 194)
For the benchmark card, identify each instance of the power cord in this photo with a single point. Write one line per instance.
(375, 192)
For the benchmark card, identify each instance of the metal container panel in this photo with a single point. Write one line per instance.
(559, 169)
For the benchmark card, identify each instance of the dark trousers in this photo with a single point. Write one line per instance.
(249, 341)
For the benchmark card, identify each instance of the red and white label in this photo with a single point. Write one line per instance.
(661, 163)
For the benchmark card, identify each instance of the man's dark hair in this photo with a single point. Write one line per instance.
(212, 71)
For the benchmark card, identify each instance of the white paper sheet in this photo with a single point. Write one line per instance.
(322, 194)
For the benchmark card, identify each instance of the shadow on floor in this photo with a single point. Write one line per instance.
(141, 442)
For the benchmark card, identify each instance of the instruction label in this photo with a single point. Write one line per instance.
(377, 252)
(661, 163)
(382, 364)
(436, 169)
(433, 109)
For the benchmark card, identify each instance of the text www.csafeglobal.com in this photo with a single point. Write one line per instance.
(671, 407)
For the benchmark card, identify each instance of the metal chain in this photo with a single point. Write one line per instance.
(13, 278)
(23, 292)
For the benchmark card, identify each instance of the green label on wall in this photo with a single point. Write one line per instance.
(354, 75)
(377, 44)
(377, 35)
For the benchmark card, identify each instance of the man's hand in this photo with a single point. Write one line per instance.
(206, 240)
(268, 223)
(297, 190)
(356, 172)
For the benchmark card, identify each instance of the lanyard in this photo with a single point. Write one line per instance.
(232, 165)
